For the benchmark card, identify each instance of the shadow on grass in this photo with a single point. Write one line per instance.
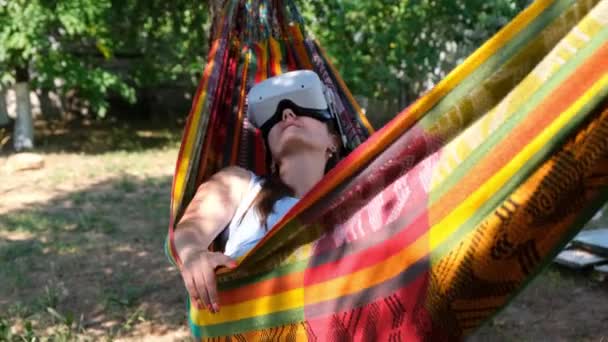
(91, 260)
(96, 137)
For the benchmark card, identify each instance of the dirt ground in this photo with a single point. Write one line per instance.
(81, 248)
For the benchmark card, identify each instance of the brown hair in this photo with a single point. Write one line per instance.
(273, 188)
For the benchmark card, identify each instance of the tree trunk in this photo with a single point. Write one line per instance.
(23, 136)
(4, 119)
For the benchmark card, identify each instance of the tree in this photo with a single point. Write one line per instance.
(390, 49)
(72, 46)
(397, 49)
(41, 45)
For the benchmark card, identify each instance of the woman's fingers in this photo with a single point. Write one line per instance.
(216, 260)
(221, 259)
(202, 284)
(211, 282)
(200, 279)
(192, 291)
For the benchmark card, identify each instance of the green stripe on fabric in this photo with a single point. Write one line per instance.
(276, 319)
(512, 184)
(496, 61)
(284, 237)
(249, 143)
(520, 114)
(275, 273)
(190, 178)
(168, 251)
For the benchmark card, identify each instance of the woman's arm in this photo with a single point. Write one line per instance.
(210, 211)
(212, 208)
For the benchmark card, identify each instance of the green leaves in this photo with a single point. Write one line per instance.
(397, 49)
(75, 43)
(392, 49)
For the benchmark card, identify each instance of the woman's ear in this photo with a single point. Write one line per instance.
(336, 143)
(273, 167)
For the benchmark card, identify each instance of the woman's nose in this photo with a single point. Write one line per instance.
(288, 114)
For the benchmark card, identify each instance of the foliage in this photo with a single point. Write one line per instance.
(170, 37)
(390, 49)
(51, 39)
(397, 49)
(74, 44)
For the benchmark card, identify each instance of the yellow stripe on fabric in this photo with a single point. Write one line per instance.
(441, 231)
(186, 156)
(480, 56)
(332, 289)
(370, 276)
(471, 64)
(262, 61)
(275, 50)
(287, 300)
(463, 145)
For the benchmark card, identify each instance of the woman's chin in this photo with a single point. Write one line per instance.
(291, 136)
(294, 142)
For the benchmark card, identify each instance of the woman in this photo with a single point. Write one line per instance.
(299, 130)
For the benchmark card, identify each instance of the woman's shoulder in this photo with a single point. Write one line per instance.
(236, 176)
(234, 172)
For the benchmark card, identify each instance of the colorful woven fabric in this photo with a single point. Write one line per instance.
(435, 221)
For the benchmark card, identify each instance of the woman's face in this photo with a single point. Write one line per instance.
(299, 133)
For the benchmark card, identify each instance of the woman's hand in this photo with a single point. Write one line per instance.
(198, 271)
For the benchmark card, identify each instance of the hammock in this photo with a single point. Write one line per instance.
(434, 222)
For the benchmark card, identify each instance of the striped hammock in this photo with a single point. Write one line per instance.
(435, 221)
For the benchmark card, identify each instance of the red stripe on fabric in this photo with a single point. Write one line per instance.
(262, 288)
(542, 116)
(371, 256)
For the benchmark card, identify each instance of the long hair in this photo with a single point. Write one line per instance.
(273, 187)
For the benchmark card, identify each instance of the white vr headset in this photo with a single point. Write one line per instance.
(302, 91)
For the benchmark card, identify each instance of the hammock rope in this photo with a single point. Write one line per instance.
(435, 221)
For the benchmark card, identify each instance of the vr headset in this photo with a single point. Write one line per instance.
(302, 91)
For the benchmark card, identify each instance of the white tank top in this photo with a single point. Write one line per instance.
(245, 233)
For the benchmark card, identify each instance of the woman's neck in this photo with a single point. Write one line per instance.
(302, 171)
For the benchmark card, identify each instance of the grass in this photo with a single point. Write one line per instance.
(86, 261)
(13, 251)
